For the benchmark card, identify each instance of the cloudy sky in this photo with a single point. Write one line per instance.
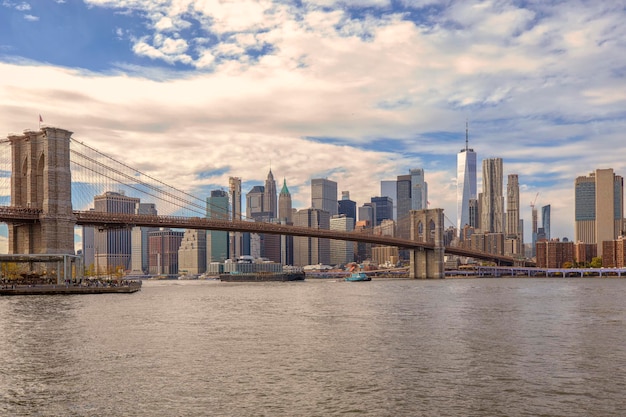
(357, 91)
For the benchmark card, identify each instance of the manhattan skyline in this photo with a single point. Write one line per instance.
(356, 93)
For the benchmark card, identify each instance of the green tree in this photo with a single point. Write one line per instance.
(596, 262)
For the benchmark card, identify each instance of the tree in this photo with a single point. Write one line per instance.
(596, 262)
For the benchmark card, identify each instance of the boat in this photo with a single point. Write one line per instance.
(358, 276)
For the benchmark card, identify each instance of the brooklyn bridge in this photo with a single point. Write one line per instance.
(50, 172)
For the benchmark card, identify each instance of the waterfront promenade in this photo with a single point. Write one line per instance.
(511, 271)
(96, 287)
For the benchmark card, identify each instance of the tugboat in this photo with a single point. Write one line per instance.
(358, 276)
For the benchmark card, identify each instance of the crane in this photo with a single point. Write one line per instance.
(534, 214)
(532, 203)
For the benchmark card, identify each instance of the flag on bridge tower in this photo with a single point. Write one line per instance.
(40, 121)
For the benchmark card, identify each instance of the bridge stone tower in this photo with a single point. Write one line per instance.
(41, 179)
(427, 226)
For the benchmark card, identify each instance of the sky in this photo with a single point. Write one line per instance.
(360, 91)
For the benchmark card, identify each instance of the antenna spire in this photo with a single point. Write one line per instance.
(466, 135)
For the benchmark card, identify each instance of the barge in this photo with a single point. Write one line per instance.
(262, 277)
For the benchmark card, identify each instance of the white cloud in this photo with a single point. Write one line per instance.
(23, 7)
(31, 18)
(542, 89)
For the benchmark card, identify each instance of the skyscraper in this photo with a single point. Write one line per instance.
(285, 215)
(492, 210)
(269, 198)
(388, 188)
(324, 195)
(419, 190)
(341, 251)
(512, 206)
(192, 252)
(347, 207)
(545, 220)
(113, 246)
(139, 240)
(254, 202)
(465, 182)
(513, 238)
(164, 246)
(311, 250)
(284, 204)
(367, 213)
(403, 193)
(217, 240)
(383, 209)
(235, 238)
(599, 207)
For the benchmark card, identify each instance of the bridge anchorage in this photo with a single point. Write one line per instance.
(41, 219)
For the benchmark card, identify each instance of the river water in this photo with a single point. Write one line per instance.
(455, 347)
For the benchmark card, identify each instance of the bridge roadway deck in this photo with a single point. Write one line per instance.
(117, 220)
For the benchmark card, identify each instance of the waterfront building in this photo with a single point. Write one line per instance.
(341, 251)
(419, 190)
(235, 244)
(492, 200)
(554, 253)
(618, 255)
(192, 255)
(139, 240)
(383, 209)
(599, 207)
(465, 182)
(388, 188)
(311, 250)
(385, 255)
(163, 245)
(347, 207)
(324, 195)
(89, 254)
(112, 247)
(584, 252)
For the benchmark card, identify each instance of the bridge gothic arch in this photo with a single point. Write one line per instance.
(427, 263)
(40, 178)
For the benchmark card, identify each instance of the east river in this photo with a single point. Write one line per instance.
(454, 347)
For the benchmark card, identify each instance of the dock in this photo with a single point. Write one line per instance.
(49, 289)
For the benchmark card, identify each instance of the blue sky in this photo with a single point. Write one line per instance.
(361, 91)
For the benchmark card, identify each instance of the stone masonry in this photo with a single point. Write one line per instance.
(41, 179)
(427, 226)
